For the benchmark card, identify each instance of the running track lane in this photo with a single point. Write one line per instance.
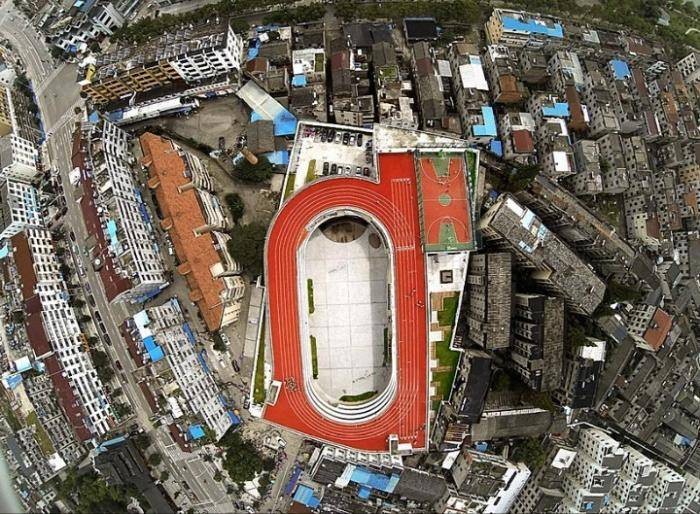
(394, 202)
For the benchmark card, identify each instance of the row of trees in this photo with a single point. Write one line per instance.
(463, 11)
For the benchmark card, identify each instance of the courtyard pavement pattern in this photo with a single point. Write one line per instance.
(350, 313)
(393, 201)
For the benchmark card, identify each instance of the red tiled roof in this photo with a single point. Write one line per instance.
(24, 262)
(113, 282)
(66, 398)
(182, 211)
(36, 334)
(131, 345)
(522, 141)
(149, 396)
(658, 329)
(577, 121)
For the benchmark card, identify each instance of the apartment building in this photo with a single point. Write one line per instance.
(481, 482)
(689, 67)
(195, 221)
(536, 351)
(19, 208)
(56, 337)
(185, 56)
(519, 29)
(472, 93)
(553, 143)
(488, 300)
(18, 158)
(88, 23)
(429, 93)
(598, 474)
(168, 331)
(564, 69)
(501, 64)
(517, 134)
(7, 115)
(599, 101)
(612, 164)
(509, 225)
(588, 179)
(580, 375)
(649, 326)
(116, 217)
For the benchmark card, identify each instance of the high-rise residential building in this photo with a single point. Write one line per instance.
(188, 55)
(580, 375)
(598, 474)
(116, 215)
(55, 335)
(17, 159)
(481, 482)
(509, 225)
(519, 28)
(195, 220)
(19, 208)
(537, 351)
(488, 300)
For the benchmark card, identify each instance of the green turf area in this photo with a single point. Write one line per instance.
(289, 188)
(311, 171)
(355, 398)
(471, 170)
(448, 235)
(319, 62)
(446, 357)
(314, 357)
(310, 293)
(259, 381)
(441, 161)
(42, 438)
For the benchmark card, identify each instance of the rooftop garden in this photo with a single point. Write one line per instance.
(447, 359)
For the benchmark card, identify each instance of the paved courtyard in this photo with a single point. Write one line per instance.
(350, 312)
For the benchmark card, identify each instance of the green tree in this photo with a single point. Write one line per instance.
(89, 493)
(155, 459)
(530, 452)
(142, 441)
(247, 245)
(254, 173)
(235, 205)
(241, 460)
(164, 475)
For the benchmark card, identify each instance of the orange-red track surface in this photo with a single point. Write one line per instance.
(393, 202)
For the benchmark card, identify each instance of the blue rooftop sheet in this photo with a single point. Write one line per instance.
(364, 492)
(94, 117)
(299, 80)
(489, 126)
(496, 147)
(203, 362)
(188, 332)
(155, 352)
(305, 495)
(235, 420)
(620, 69)
(293, 480)
(373, 479)
(4, 251)
(253, 52)
(13, 381)
(196, 431)
(285, 123)
(559, 110)
(279, 157)
(533, 27)
(112, 231)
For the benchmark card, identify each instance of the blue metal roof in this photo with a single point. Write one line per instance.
(559, 110)
(299, 80)
(621, 69)
(533, 26)
(489, 126)
(305, 495)
(364, 492)
(496, 147)
(279, 157)
(203, 362)
(4, 251)
(155, 352)
(374, 480)
(188, 332)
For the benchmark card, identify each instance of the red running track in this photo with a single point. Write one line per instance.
(393, 201)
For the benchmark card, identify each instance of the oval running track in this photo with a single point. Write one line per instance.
(393, 201)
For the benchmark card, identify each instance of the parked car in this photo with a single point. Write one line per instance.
(359, 139)
(346, 138)
(352, 139)
(347, 170)
(326, 166)
(118, 365)
(107, 339)
(333, 168)
(338, 137)
(365, 171)
(235, 365)
(358, 170)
